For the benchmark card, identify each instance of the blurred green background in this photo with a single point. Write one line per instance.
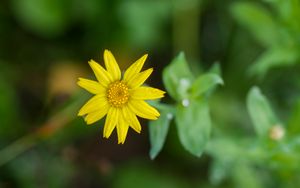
(45, 46)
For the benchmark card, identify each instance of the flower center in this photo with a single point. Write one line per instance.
(118, 94)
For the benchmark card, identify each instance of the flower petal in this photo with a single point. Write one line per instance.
(96, 115)
(91, 86)
(122, 129)
(112, 65)
(143, 109)
(146, 93)
(111, 121)
(139, 79)
(101, 74)
(131, 119)
(95, 103)
(135, 68)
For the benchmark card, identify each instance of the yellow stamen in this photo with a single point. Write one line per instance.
(121, 99)
(118, 94)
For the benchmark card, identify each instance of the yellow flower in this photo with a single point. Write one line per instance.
(121, 98)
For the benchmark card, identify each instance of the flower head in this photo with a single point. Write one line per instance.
(120, 98)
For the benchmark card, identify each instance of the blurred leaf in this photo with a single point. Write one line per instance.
(294, 121)
(178, 78)
(219, 170)
(285, 158)
(292, 18)
(275, 57)
(193, 125)
(205, 83)
(215, 69)
(260, 112)
(289, 11)
(231, 155)
(246, 177)
(158, 131)
(258, 20)
(144, 22)
(225, 149)
(44, 17)
(8, 110)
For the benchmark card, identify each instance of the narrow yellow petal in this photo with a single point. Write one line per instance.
(96, 115)
(112, 65)
(135, 68)
(101, 74)
(146, 93)
(132, 120)
(91, 86)
(111, 121)
(122, 129)
(95, 103)
(142, 109)
(139, 78)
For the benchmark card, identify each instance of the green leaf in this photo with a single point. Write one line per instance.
(158, 131)
(225, 148)
(205, 83)
(193, 125)
(178, 78)
(289, 13)
(257, 20)
(274, 57)
(219, 170)
(47, 18)
(294, 121)
(260, 112)
(246, 176)
(152, 15)
(215, 69)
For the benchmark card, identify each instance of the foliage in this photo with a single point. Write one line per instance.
(278, 33)
(191, 111)
(230, 118)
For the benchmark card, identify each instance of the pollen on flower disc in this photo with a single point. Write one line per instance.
(118, 94)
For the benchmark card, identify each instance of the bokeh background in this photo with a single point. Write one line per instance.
(45, 46)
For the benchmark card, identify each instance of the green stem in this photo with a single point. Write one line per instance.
(48, 129)
(16, 148)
